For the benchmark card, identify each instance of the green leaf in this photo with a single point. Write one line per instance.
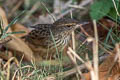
(100, 9)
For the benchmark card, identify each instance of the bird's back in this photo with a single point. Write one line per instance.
(40, 35)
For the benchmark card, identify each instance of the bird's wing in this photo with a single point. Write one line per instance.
(40, 35)
(43, 30)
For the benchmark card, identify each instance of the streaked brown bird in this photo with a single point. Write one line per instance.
(45, 38)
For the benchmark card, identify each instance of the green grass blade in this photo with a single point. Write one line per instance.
(13, 21)
(9, 33)
(108, 35)
(53, 41)
(16, 32)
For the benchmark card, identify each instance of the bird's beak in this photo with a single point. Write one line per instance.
(81, 24)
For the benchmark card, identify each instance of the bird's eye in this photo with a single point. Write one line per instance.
(68, 25)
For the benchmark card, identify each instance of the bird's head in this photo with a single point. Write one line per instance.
(65, 24)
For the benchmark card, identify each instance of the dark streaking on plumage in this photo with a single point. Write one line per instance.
(40, 37)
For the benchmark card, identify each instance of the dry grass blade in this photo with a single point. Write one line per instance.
(29, 13)
(52, 17)
(87, 64)
(73, 59)
(8, 64)
(73, 53)
(15, 8)
(109, 52)
(11, 59)
(116, 8)
(118, 52)
(83, 3)
(28, 66)
(77, 6)
(95, 51)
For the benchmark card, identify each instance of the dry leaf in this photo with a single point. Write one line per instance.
(16, 43)
(18, 27)
(104, 70)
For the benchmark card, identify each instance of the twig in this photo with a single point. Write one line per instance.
(83, 30)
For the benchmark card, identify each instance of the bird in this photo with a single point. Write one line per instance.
(47, 39)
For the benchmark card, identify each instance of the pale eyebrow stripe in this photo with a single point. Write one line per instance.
(68, 24)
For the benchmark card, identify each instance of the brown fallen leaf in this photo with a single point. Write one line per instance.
(108, 70)
(16, 43)
(19, 27)
(7, 56)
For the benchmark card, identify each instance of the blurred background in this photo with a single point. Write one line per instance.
(46, 11)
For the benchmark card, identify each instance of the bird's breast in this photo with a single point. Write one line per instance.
(60, 42)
